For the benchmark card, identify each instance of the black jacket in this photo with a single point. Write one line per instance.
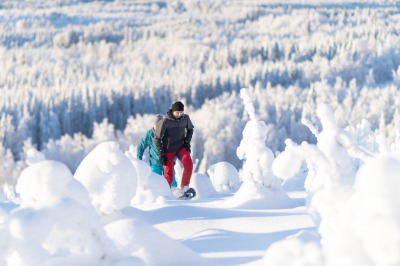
(172, 133)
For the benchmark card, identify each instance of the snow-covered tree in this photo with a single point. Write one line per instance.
(260, 188)
(109, 177)
(350, 171)
(62, 78)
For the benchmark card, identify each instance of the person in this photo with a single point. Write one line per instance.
(147, 142)
(172, 139)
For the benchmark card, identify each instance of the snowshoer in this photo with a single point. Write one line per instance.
(172, 138)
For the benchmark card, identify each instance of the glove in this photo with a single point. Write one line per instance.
(163, 160)
(187, 146)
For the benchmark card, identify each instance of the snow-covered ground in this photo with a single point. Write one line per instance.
(174, 232)
(115, 211)
(80, 81)
(337, 205)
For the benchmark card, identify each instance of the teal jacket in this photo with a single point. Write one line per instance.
(156, 167)
(147, 142)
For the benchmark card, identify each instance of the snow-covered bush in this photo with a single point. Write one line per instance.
(109, 177)
(252, 149)
(375, 202)
(351, 187)
(152, 187)
(224, 177)
(55, 223)
(203, 186)
(260, 188)
(45, 182)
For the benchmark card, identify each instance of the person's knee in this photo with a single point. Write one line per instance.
(187, 164)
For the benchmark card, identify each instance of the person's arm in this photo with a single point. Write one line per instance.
(189, 131)
(142, 146)
(189, 134)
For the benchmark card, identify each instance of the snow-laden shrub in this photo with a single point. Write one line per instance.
(203, 186)
(260, 188)
(258, 157)
(373, 214)
(55, 223)
(45, 182)
(352, 192)
(224, 177)
(152, 187)
(109, 177)
(64, 233)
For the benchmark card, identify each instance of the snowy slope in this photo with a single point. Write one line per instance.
(302, 168)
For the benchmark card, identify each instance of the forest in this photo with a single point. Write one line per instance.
(76, 73)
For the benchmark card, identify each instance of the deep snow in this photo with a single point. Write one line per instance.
(333, 203)
(67, 66)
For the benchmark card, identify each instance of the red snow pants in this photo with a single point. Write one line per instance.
(184, 156)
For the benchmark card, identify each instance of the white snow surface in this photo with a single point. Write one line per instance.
(57, 224)
(332, 203)
(115, 211)
(346, 211)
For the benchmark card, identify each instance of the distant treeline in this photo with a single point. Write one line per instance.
(69, 79)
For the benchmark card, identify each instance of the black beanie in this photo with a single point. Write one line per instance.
(177, 106)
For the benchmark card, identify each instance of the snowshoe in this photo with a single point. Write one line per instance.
(188, 194)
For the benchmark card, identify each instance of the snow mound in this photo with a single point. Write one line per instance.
(203, 186)
(142, 168)
(257, 196)
(294, 251)
(65, 233)
(292, 157)
(224, 177)
(45, 182)
(56, 223)
(377, 201)
(126, 232)
(152, 189)
(109, 177)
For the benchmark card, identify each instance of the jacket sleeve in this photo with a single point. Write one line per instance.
(142, 146)
(158, 135)
(189, 131)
